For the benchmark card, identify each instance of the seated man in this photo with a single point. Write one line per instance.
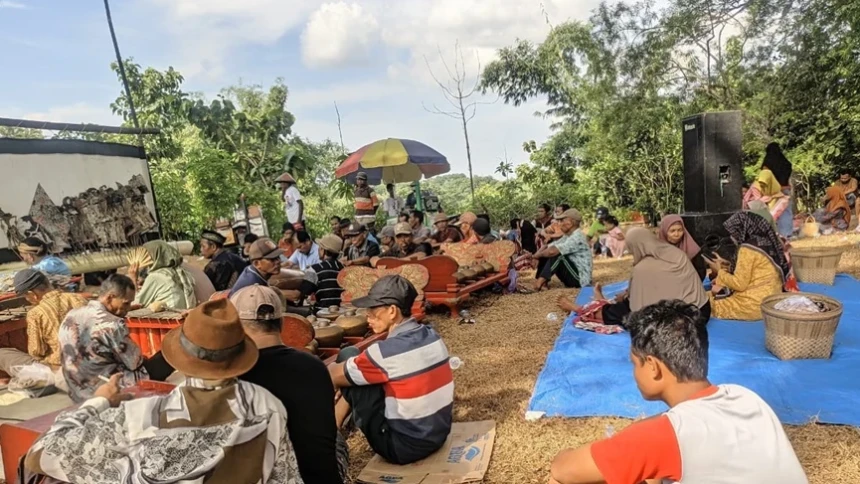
(444, 233)
(401, 389)
(482, 230)
(325, 285)
(420, 233)
(361, 249)
(300, 381)
(404, 245)
(464, 223)
(307, 253)
(710, 433)
(224, 267)
(569, 258)
(95, 341)
(848, 184)
(265, 259)
(50, 307)
(214, 428)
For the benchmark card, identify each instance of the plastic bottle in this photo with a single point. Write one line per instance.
(610, 431)
(455, 362)
(552, 317)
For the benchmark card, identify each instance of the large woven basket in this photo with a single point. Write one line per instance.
(816, 265)
(795, 336)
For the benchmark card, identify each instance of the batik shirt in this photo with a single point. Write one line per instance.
(577, 251)
(233, 433)
(95, 342)
(43, 325)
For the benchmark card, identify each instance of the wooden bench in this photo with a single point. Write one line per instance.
(356, 282)
(442, 287)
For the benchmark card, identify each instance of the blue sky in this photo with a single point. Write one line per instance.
(369, 56)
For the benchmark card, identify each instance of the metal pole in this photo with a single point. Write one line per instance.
(121, 67)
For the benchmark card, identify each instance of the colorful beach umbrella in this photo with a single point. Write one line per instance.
(394, 160)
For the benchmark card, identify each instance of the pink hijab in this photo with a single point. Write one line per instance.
(687, 244)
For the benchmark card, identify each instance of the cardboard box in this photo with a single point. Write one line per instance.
(464, 458)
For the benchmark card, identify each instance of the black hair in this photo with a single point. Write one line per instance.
(545, 207)
(211, 242)
(303, 236)
(419, 215)
(389, 185)
(116, 285)
(250, 238)
(403, 214)
(287, 226)
(335, 217)
(611, 219)
(484, 216)
(564, 207)
(746, 185)
(344, 223)
(515, 223)
(844, 171)
(267, 321)
(670, 332)
(38, 243)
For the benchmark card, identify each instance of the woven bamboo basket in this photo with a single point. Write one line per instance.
(816, 265)
(795, 336)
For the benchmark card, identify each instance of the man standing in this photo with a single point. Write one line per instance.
(294, 207)
(224, 267)
(300, 381)
(43, 321)
(420, 233)
(392, 205)
(265, 262)
(307, 253)
(361, 249)
(95, 341)
(444, 232)
(400, 390)
(569, 258)
(365, 202)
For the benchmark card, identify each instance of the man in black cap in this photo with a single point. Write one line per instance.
(400, 390)
(43, 321)
(224, 267)
(366, 203)
(361, 249)
(265, 262)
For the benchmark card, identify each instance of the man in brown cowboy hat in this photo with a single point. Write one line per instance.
(444, 232)
(294, 207)
(214, 428)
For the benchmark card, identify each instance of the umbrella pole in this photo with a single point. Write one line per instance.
(419, 199)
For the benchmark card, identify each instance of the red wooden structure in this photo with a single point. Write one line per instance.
(356, 282)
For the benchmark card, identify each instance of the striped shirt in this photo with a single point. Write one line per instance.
(412, 365)
(366, 201)
(328, 291)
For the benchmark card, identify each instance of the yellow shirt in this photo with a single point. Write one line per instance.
(43, 325)
(755, 278)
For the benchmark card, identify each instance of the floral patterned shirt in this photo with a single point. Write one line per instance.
(95, 342)
(575, 247)
(232, 433)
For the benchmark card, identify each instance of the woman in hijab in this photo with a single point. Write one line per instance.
(836, 212)
(760, 268)
(660, 271)
(166, 282)
(773, 187)
(673, 231)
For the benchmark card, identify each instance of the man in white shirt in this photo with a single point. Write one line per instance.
(294, 207)
(307, 253)
(393, 205)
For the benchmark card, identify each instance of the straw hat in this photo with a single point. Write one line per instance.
(211, 344)
(440, 217)
(403, 228)
(285, 178)
(331, 243)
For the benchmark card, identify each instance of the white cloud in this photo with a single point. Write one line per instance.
(12, 4)
(338, 34)
(75, 113)
(345, 93)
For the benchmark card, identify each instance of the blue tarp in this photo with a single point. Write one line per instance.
(588, 374)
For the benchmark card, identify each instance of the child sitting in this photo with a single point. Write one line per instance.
(400, 390)
(612, 242)
(710, 433)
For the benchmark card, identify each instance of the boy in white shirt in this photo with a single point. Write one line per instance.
(722, 434)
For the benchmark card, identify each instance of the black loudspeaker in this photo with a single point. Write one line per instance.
(713, 173)
(708, 231)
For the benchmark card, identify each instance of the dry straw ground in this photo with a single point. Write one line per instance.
(504, 352)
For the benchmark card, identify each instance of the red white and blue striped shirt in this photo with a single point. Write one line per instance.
(412, 365)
